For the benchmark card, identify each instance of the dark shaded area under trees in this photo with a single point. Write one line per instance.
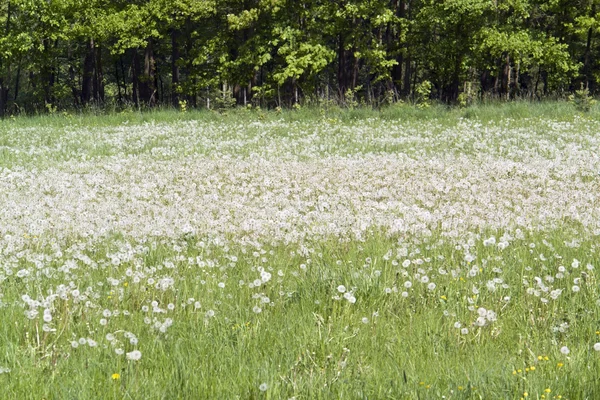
(71, 54)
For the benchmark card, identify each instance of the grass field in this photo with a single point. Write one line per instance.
(392, 254)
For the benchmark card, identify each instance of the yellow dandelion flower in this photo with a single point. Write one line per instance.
(514, 372)
(460, 388)
(115, 376)
(540, 358)
(421, 383)
(525, 394)
(126, 284)
(527, 369)
(546, 358)
(559, 364)
(519, 370)
(548, 390)
(532, 368)
(444, 298)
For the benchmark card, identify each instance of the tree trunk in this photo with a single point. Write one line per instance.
(98, 76)
(174, 69)
(506, 77)
(406, 88)
(47, 72)
(124, 75)
(17, 81)
(135, 77)
(87, 85)
(3, 97)
(342, 80)
(147, 84)
(587, 67)
(4, 81)
(119, 95)
(397, 76)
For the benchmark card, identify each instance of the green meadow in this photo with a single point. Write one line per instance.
(399, 253)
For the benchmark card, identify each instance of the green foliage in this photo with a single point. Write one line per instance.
(116, 53)
(423, 94)
(467, 97)
(582, 100)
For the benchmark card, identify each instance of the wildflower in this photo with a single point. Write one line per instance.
(565, 350)
(263, 387)
(341, 288)
(115, 376)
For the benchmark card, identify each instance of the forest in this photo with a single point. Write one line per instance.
(73, 54)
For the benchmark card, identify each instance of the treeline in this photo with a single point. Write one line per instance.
(61, 54)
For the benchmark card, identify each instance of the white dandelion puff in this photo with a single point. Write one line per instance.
(134, 355)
